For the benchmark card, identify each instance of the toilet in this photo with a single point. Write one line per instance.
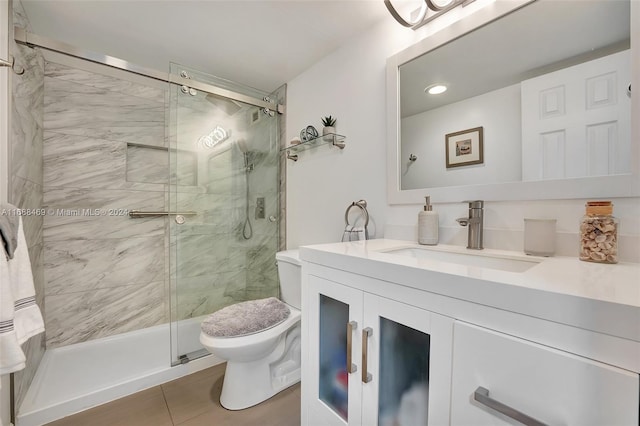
(263, 356)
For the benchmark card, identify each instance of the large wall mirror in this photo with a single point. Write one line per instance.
(538, 105)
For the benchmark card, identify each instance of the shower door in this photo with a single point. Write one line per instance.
(223, 192)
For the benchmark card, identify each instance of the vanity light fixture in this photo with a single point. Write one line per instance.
(439, 7)
(401, 20)
(435, 89)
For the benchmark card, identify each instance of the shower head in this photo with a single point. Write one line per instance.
(242, 145)
(229, 106)
(246, 154)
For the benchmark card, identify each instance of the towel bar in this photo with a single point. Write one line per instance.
(138, 214)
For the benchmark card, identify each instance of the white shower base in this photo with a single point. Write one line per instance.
(76, 377)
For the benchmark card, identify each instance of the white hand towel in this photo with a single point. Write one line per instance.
(358, 233)
(20, 317)
(8, 229)
(11, 356)
(346, 235)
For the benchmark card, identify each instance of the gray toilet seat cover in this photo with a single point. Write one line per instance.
(245, 318)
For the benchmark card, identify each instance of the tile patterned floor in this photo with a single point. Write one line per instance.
(192, 400)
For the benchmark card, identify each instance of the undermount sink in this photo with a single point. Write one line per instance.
(479, 259)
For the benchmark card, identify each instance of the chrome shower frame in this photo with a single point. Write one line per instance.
(33, 40)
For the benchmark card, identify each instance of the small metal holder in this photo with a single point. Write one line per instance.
(11, 63)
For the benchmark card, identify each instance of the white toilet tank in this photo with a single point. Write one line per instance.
(290, 275)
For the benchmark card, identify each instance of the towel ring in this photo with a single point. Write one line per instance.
(362, 205)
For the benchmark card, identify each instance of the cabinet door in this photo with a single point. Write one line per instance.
(548, 385)
(406, 375)
(335, 315)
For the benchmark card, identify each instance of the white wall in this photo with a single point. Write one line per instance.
(350, 84)
(423, 135)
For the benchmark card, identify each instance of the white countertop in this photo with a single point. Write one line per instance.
(600, 297)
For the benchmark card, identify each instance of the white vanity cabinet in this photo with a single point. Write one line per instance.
(547, 385)
(372, 360)
(445, 344)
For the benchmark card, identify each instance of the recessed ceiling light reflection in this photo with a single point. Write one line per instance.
(435, 89)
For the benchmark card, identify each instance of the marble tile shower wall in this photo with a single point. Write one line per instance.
(262, 275)
(104, 274)
(104, 148)
(26, 178)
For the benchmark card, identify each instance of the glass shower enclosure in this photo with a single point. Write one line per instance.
(223, 195)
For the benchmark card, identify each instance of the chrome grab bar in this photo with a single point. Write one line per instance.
(138, 214)
(482, 396)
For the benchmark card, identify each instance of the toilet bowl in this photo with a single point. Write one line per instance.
(267, 361)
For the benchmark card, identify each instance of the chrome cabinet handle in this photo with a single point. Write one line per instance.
(482, 396)
(366, 333)
(351, 367)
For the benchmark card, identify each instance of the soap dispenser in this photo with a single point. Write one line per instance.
(428, 224)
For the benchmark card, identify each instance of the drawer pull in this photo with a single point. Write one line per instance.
(482, 396)
(351, 367)
(366, 333)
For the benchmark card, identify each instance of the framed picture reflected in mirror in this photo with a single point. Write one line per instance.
(464, 148)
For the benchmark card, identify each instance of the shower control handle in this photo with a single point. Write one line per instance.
(180, 219)
(260, 208)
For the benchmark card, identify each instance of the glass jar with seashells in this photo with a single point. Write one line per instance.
(599, 233)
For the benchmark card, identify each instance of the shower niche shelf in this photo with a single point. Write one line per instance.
(328, 139)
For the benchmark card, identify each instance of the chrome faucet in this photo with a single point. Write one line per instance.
(475, 222)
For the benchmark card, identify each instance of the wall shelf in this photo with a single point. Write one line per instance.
(328, 139)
